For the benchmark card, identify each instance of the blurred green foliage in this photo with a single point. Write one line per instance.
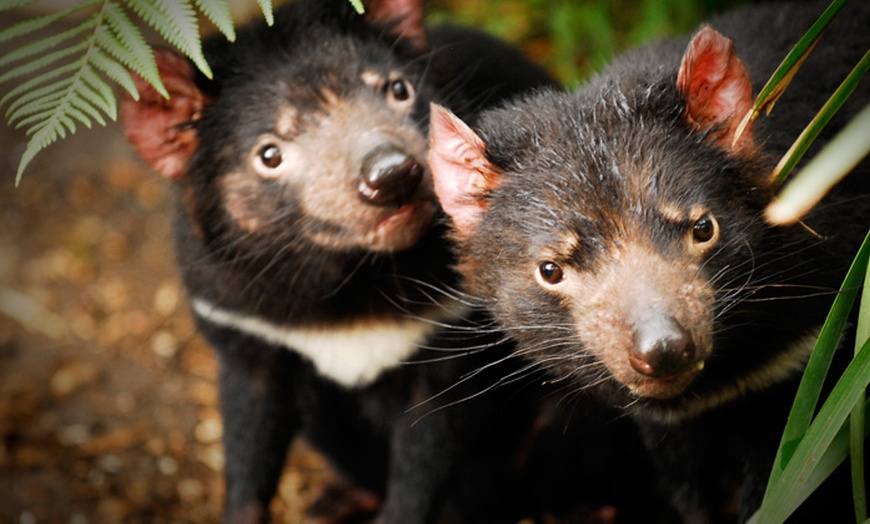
(576, 38)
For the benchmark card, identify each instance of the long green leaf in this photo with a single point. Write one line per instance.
(810, 387)
(858, 418)
(832, 415)
(827, 168)
(358, 6)
(812, 130)
(831, 460)
(780, 78)
(797, 430)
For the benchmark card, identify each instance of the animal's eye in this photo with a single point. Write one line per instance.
(705, 229)
(550, 272)
(270, 155)
(399, 90)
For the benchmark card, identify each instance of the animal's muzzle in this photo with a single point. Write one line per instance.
(662, 347)
(389, 176)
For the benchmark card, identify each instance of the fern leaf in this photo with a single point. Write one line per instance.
(118, 73)
(108, 42)
(266, 7)
(25, 87)
(14, 4)
(101, 94)
(218, 11)
(40, 46)
(32, 25)
(33, 94)
(40, 103)
(43, 62)
(123, 40)
(88, 112)
(176, 21)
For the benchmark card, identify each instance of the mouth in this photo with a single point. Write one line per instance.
(663, 388)
(402, 228)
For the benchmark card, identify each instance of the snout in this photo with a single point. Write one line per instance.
(662, 347)
(389, 176)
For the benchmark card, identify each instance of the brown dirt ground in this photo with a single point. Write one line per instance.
(107, 396)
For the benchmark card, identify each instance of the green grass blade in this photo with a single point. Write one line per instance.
(809, 134)
(358, 6)
(780, 78)
(858, 418)
(778, 505)
(799, 430)
(827, 168)
(810, 387)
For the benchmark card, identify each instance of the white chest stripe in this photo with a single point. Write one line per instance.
(353, 356)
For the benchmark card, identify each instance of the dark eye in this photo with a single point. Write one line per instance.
(550, 272)
(270, 155)
(704, 229)
(400, 90)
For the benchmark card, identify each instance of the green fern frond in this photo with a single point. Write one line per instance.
(9, 5)
(118, 73)
(136, 51)
(27, 86)
(175, 20)
(266, 7)
(60, 80)
(218, 11)
(43, 62)
(27, 27)
(42, 45)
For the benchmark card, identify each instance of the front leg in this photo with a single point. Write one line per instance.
(260, 420)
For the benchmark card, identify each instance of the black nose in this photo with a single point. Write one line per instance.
(389, 176)
(662, 347)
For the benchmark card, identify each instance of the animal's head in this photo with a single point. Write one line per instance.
(309, 134)
(601, 225)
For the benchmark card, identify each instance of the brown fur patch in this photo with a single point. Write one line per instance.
(609, 301)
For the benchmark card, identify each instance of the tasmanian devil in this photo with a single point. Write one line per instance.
(306, 236)
(617, 232)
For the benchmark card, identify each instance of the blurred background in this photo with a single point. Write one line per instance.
(108, 403)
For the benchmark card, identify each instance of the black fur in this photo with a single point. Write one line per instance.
(458, 464)
(596, 164)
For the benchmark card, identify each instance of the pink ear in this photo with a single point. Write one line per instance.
(461, 173)
(161, 129)
(716, 88)
(404, 16)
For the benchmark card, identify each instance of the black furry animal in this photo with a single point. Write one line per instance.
(305, 234)
(617, 232)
